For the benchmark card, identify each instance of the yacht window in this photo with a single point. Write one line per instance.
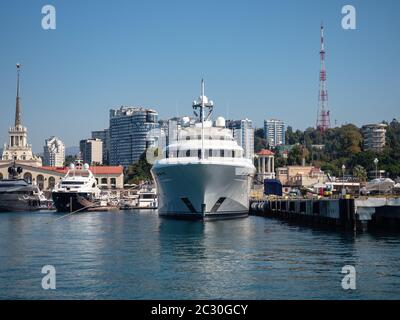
(210, 152)
(187, 153)
(222, 138)
(188, 138)
(147, 196)
(233, 153)
(78, 173)
(72, 182)
(222, 153)
(199, 137)
(199, 153)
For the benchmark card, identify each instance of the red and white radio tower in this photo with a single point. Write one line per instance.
(323, 118)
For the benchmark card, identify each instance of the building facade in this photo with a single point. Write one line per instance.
(92, 151)
(274, 132)
(18, 148)
(374, 136)
(46, 177)
(53, 152)
(300, 176)
(243, 133)
(131, 133)
(104, 136)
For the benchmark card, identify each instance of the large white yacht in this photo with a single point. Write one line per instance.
(203, 174)
(78, 190)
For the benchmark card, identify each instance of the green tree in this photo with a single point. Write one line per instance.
(296, 155)
(139, 171)
(360, 173)
(259, 141)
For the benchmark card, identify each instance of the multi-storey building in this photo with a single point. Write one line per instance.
(91, 151)
(132, 131)
(53, 152)
(104, 136)
(243, 133)
(374, 136)
(274, 132)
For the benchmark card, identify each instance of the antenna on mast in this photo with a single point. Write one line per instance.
(202, 100)
(323, 116)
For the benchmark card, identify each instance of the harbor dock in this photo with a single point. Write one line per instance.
(358, 214)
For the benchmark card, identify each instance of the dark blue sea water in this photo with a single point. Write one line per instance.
(137, 255)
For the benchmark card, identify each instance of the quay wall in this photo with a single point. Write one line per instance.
(346, 213)
(335, 212)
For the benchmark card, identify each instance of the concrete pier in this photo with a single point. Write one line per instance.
(347, 214)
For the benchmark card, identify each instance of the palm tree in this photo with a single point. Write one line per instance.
(360, 173)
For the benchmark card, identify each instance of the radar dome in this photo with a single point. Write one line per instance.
(205, 99)
(72, 166)
(185, 121)
(86, 166)
(220, 122)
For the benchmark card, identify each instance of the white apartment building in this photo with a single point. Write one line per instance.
(374, 136)
(243, 133)
(274, 132)
(54, 152)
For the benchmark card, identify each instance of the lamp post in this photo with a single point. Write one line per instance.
(343, 170)
(376, 161)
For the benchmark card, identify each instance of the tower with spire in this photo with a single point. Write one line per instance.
(17, 149)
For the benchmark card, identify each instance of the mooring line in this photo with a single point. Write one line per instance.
(71, 213)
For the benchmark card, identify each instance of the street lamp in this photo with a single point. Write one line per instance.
(376, 175)
(376, 167)
(343, 170)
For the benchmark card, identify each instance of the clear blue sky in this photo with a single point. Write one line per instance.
(259, 59)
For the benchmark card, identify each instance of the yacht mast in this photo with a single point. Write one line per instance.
(202, 119)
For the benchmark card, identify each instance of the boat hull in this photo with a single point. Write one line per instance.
(73, 201)
(14, 202)
(203, 190)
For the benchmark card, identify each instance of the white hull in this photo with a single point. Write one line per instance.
(203, 189)
(147, 204)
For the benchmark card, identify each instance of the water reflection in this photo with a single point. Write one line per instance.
(140, 256)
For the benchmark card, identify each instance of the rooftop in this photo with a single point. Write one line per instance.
(95, 170)
(265, 152)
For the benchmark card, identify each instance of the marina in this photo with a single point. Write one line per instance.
(122, 176)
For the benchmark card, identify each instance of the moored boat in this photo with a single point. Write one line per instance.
(204, 174)
(77, 191)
